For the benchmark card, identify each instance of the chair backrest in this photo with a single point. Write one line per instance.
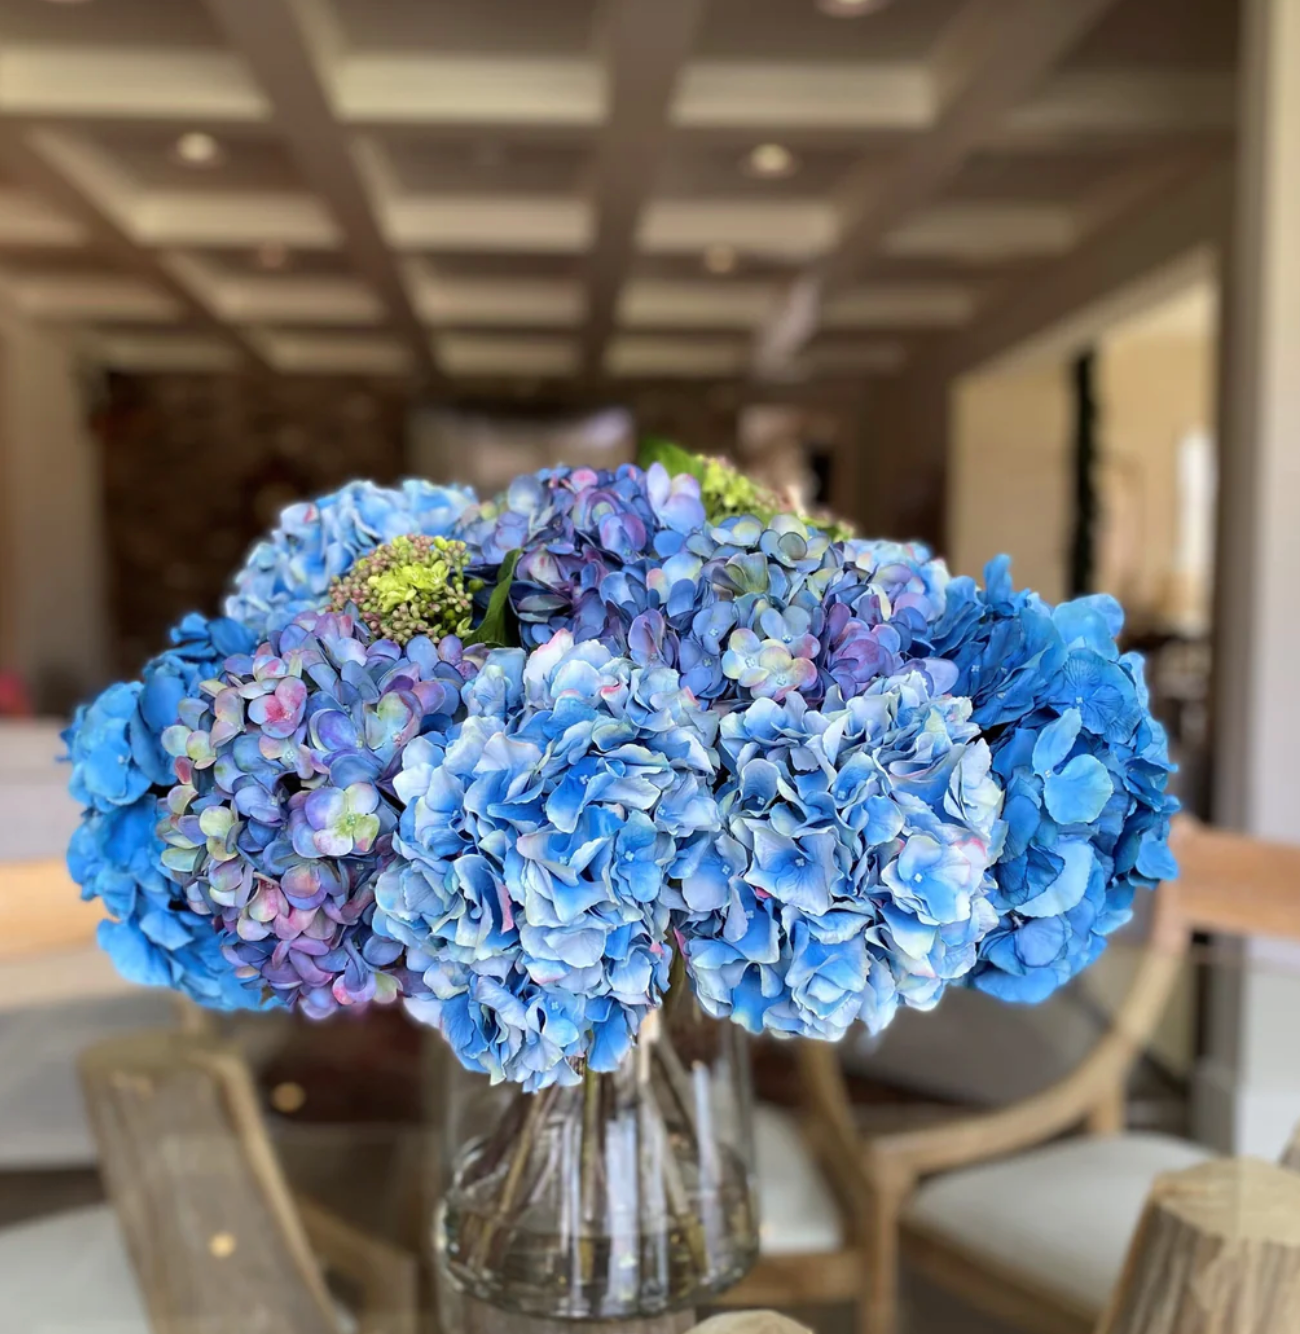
(1233, 884)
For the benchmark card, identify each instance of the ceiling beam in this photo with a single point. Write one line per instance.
(645, 47)
(993, 55)
(108, 230)
(1069, 301)
(288, 45)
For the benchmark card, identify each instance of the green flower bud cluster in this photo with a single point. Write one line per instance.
(838, 530)
(727, 492)
(410, 586)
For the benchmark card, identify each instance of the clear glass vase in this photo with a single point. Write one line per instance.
(628, 1195)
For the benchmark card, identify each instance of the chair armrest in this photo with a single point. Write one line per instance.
(1094, 1087)
(907, 1155)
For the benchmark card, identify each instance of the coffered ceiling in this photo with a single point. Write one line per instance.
(481, 190)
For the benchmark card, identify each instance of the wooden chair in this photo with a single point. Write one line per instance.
(997, 1207)
(202, 1230)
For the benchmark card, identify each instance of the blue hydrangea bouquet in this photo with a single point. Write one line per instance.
(529, 766)
(505, 761)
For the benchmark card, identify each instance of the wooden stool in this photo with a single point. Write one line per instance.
(1217, 1252)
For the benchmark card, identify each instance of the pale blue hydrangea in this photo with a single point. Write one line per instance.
(533, 851)
(850, 874)
(291, 569)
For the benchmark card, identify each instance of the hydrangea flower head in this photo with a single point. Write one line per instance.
(850, 874)
(282, 812)
(575, 526)
(532, 856)
(317, 541)
(1085, 767)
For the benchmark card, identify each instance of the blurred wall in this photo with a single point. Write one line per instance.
(1009, 475)
(53, 618)
(197, 467)
(1154, 392)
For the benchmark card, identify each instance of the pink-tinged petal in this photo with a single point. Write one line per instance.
(248, 928)
(179, 798)
(310, 974)
(331, 843)
(362, 798)
(303, 888)
(267, 668)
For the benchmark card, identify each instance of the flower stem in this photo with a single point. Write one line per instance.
(524, 1144)
(591, 1134)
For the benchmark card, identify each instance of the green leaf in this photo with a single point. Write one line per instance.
(676, 460)
(494, 629)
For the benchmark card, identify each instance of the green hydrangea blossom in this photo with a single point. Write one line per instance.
(410, 586)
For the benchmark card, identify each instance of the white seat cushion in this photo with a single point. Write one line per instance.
(1062, 1216)
(797, 1212)
(69, 1274)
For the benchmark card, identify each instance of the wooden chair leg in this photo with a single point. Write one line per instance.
(1108, 1115)
(879, 1307)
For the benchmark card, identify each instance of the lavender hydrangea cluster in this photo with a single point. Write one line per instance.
(282, 807)
(619, 718)
(574, 527)
(534, 852)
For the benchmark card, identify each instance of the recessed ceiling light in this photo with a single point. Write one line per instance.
(771, 161)
(271, 255)
(197, 149)
(850, 9)
(720, 259)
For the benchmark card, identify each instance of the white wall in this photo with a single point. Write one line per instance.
(53, 618)
(1009, 475)
(1249, 1092)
